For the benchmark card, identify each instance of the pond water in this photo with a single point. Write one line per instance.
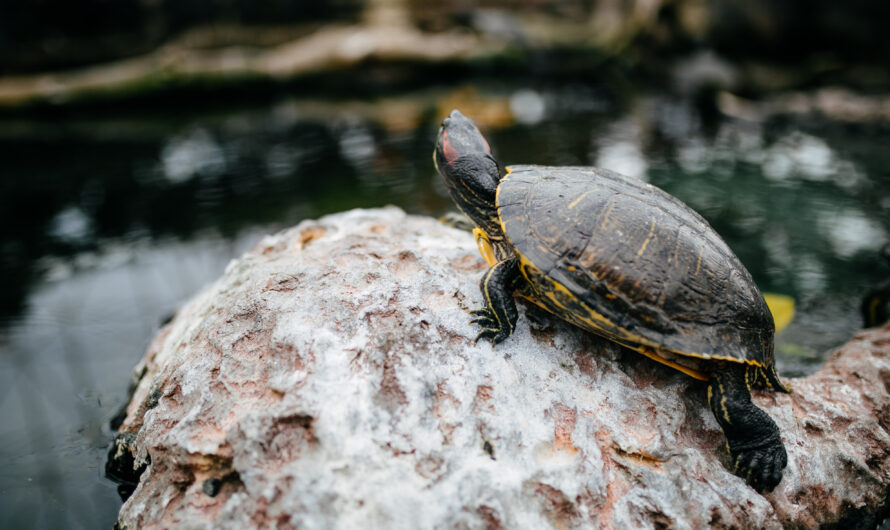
(110, 221)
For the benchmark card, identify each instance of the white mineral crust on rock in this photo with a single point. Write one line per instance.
(329, 380)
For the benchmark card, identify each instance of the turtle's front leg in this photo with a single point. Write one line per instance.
(753, 438)
(498, 317)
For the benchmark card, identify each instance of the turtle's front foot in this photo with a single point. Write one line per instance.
(498, 317)
(491, 328)
(761, 466)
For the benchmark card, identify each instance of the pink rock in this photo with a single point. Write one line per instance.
(329, 380)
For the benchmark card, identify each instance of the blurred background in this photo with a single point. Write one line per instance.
(145, 143)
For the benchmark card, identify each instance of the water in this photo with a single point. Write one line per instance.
(109, 222)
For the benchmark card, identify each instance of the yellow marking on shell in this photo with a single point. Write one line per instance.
(698, 263)
(485, 248)
(526, 264)
(654, 356)
(606, 214)
(595, 321)
(576, 201)
(497, 201)
(648, 238)
(556, 302)
(598, 322)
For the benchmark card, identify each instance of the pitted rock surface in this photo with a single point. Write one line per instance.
(329, 379)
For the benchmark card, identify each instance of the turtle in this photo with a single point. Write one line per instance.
(625, 260)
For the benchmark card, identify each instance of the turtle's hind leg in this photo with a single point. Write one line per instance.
(753, 438)
(498, 317)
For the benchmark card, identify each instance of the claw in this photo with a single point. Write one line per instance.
(492, 330)
(485, 322)
(753, 476)
(485, 318)
(493, 334)
(486, 334)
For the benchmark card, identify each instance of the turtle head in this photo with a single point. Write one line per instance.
(459, 137)
(463, 158)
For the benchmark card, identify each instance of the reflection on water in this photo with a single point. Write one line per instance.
(191, 154)
(65, 364)
(619, 148)
(108, 224)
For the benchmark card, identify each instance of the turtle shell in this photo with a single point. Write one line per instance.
(624, 259)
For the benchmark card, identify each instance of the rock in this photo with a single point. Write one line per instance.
(329, 380)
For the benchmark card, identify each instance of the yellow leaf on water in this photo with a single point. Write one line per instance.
(782, 308)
